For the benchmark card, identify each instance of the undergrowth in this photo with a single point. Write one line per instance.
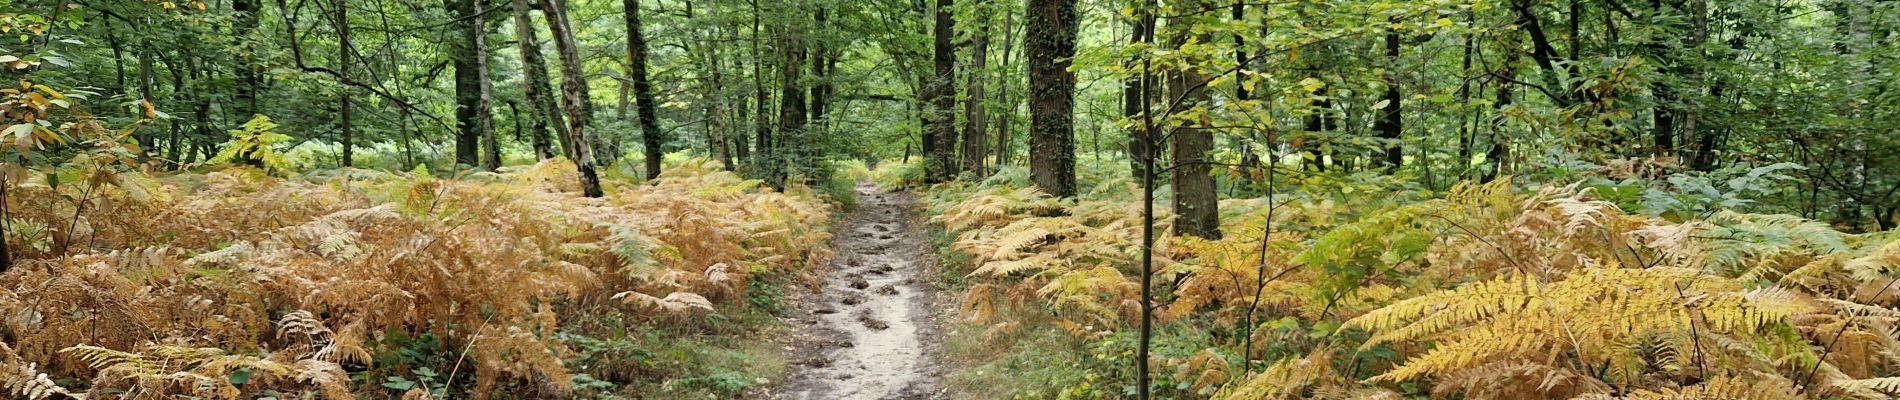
(234, 283)
(1376, 288)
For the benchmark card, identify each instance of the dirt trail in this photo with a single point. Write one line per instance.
(874, 334)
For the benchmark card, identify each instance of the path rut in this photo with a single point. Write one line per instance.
(875, 332)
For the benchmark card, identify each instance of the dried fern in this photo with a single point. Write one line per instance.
(238, 269)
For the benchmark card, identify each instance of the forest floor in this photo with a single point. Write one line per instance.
(873, 326)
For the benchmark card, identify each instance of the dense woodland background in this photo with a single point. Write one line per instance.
(1435, 91)
(1731, 165)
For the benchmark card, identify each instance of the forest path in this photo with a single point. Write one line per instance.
(874, 333)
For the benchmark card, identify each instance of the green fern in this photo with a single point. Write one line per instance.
(255, 143)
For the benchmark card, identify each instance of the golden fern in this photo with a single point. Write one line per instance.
(1286, 379)
(160, 370)
(1593, 315)
(1718, 388)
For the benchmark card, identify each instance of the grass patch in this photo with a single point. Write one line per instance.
(619, 356)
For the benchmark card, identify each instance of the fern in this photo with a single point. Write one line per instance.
(254, 143)
(24, 380)
(677, 303)
(174, 369)
(1719, 388)
(1591, 314)
(1286, 379)
(202, 273)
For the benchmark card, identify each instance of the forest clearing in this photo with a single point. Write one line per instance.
(942, 199)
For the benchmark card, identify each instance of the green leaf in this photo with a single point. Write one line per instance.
(400, 384)
(239, 376)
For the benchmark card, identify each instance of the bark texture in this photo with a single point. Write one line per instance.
(1050, 30)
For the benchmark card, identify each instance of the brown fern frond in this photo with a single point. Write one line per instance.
(1286, 379)
(1718, 388)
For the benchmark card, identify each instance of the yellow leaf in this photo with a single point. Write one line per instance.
(1311, 84)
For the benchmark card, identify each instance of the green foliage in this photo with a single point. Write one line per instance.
(255, 144)
(1370, 287)
(427, 380)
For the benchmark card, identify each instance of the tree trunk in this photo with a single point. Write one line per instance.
(1466, 133)
(177, 125)
(791, 117)
(761, 121)
(823, 65)
(1050, 36)
(246, 23)
(1314, 124)
(146, 81)
(536, 90)
(713, 95)
(1248, 160)
(651, 138)
(975, 142)
(1196, 202)
(1132, 105)
(1541, 50)
(926, 90)
(574, 95)
(1691, 117)
(942, 157)
(1144, 341)
(491, 146)
(180, 71)
(740, 144)
(468, 52)
(343, 67)
(1707, 143)
(1391, 120)
(1007, 110)
(1501, 140)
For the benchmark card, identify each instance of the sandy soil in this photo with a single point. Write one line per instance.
(871, 332)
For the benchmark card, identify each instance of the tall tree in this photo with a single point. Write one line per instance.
(468, 50)
(573, 95)
(1006, 104)
(762, 118)
(1132, 105)
(975, 120)
(491, 146)
(245, 24)
(1049, 32)
(1500, 149)
(824, 62)
(1249, 161)
(792, 112)
(711, 85)
(343, 67)
(941, 161)
(539, 94)
(1196, 203)
(651, 138)
(1150, 146)
(1390, 123)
